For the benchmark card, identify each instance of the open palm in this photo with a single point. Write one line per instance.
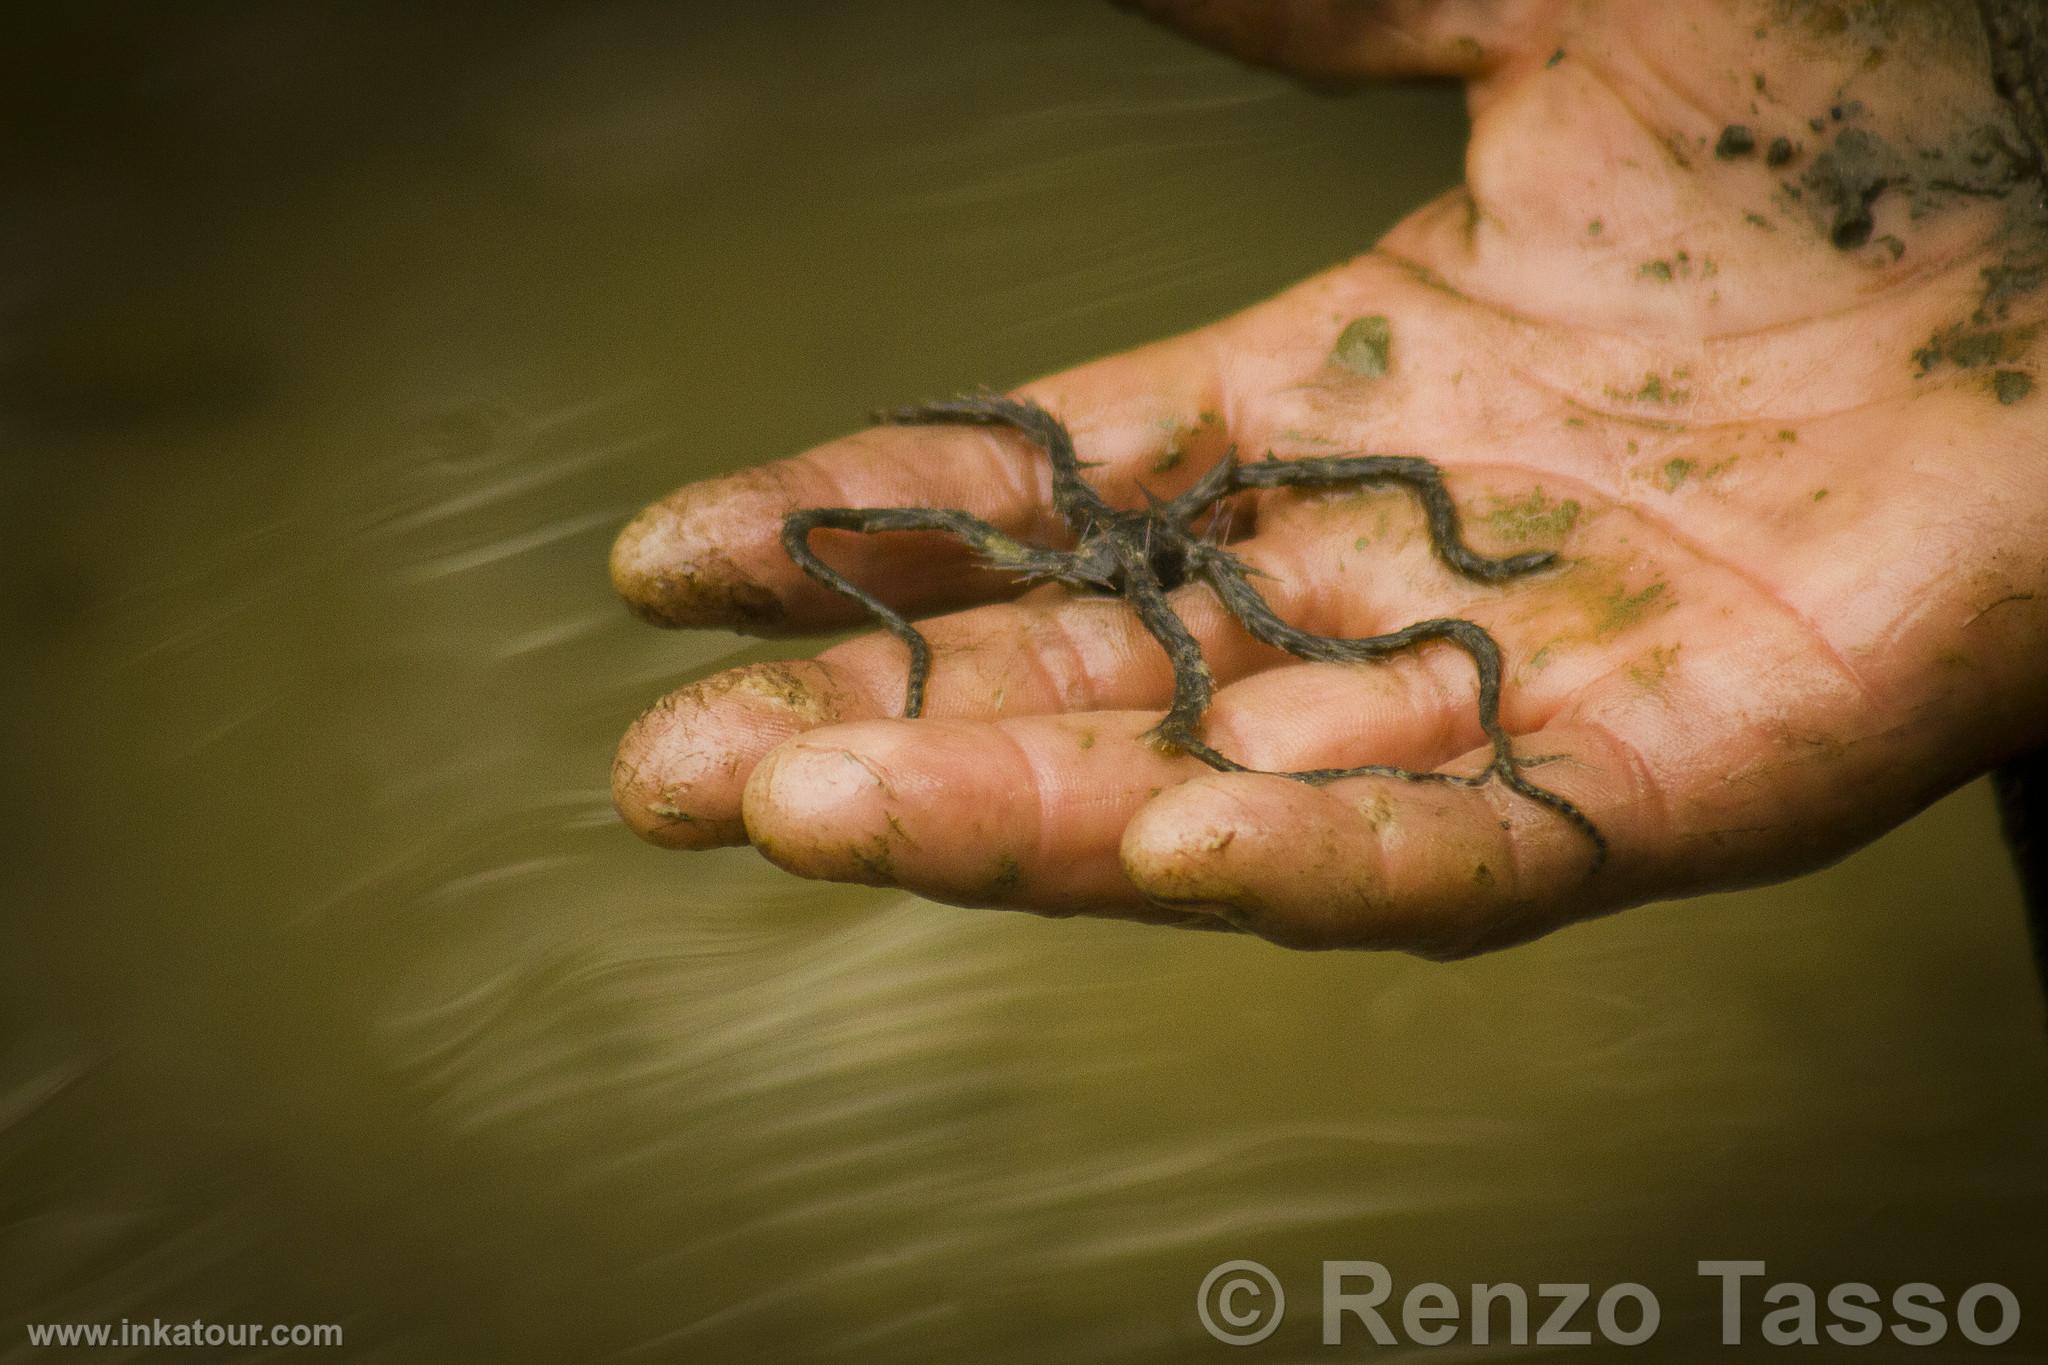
(1786, 447)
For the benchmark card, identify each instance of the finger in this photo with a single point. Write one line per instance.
(1416, 710)
(1066, 814)
(1701, 769)
(1024, 814)
(710, 554)
(1029, 812)
(682, 766)
(1441, 871)
(1334, 43)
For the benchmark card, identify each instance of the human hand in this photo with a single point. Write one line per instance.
(1774, 408)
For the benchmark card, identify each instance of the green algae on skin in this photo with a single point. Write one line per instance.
(2012, 385)
(1624, 608)
(1655, 389)
(1979, 342)
(1678, 266)
(1969, 349)
(1179, 437)
(1008, 876)
(1655, 667)
(1676, 472)
(1380, 526)
(875, 859)
(1377, 811)
(1535, 663)
(1532, 517)
(1365, 347)
(1604, 605)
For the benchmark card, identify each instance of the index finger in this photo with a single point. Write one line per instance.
(710, 554)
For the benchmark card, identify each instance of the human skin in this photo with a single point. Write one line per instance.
(1794, 460)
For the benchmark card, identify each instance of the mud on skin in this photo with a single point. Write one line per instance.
(1999, 159)
(776, 699)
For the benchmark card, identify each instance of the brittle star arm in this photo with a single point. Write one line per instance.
(1419, 474)
(1193, 684)
(997, 549)
(1080, 506)
(1224, 573)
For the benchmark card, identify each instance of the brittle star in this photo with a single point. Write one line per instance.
(1142, 555)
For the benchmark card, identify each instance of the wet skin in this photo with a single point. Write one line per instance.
(1795, 475)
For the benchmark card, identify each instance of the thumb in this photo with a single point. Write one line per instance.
(1332, 44)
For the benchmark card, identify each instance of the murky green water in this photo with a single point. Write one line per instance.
(336, 347)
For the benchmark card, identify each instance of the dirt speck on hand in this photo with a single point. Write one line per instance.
(1365, 347)
(1736, 140)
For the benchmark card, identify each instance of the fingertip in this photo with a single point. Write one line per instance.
(820, 808)
(651, 775)
(643, 562)
(1367, 864)
(1331, 46)
(1235, 845)
(672, 574)
(1171, 848)
(681, 770)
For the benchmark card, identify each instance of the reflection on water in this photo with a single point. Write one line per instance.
(341, 344)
